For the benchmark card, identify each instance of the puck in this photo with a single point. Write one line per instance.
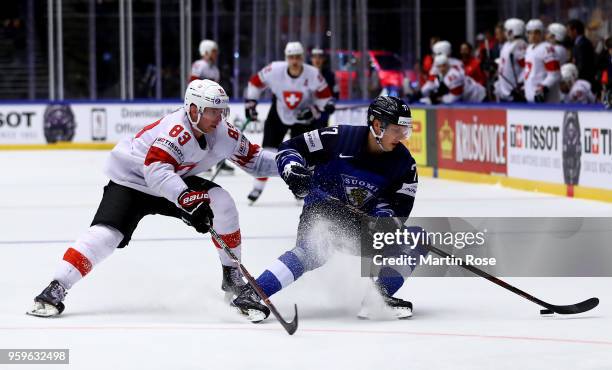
(546, 312)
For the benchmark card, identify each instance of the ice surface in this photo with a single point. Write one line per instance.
(158, 305)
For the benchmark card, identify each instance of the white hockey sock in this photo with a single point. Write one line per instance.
(260, 183)
(90, 249)
(226, 223)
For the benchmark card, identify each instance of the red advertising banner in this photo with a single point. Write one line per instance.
(472, 140)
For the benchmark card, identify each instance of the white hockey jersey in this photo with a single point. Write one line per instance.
(510, 68)
(580, 93)
(462, 88)
(431, 84)
(542, 69)
(292, 93)
(157, 158)
(202, 69)
(562, 54)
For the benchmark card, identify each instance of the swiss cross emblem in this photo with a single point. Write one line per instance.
(292, 98)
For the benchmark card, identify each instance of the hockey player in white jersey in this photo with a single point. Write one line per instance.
(206, 68)
(154, 173)
(510, 77)
(452, 85)
(541, 67)
(440, 48)
(300, 93)
(573, 89)
(556, 36)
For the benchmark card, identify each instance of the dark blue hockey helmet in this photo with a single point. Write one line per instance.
(389, 110)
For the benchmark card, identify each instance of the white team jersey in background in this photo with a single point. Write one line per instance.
(292, 93)
(510, 68)
(580, 93)
(462, 88)
(542, 69)
(157, 158)
(203, 69)
(431, 85)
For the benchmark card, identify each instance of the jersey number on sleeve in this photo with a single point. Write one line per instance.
(232, 132)
(176, 130)
(330, 131)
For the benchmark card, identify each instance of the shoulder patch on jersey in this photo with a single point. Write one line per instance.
(408, 189)
(313, 141)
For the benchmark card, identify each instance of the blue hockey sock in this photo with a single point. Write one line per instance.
(284, 271)
(390, 280)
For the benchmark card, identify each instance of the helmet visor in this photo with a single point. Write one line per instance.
(400, 132)
(216, 113)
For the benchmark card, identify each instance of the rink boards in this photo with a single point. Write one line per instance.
(563, 150)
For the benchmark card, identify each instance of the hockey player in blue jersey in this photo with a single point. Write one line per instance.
(366, 167)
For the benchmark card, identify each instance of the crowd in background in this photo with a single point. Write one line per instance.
(519, 62)
(573, 64)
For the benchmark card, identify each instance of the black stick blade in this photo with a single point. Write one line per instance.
(291, 327)
(571, 309)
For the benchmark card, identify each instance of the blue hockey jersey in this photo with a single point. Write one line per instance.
(382, 183)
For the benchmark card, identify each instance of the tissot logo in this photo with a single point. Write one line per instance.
(534, 137)
(16, 119)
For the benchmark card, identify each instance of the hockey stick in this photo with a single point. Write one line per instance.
(291, 326)
(218, 169)
(580, 307)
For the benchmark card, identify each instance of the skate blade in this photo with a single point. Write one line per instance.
(41, 309)
(252, 315)
(398, 313)
(255, 316)
(402, 313)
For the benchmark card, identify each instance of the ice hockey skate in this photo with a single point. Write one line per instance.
(248, 304)
(232, 283)
(49, 302)
(254, 195)
(377, 303)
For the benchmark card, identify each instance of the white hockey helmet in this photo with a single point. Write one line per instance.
(440, 59)
(558, 31)
(514, 28)
(569, 73)
(205, 94)
(535, 25)
(442, 47)
(207, 46)
(294, 48)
